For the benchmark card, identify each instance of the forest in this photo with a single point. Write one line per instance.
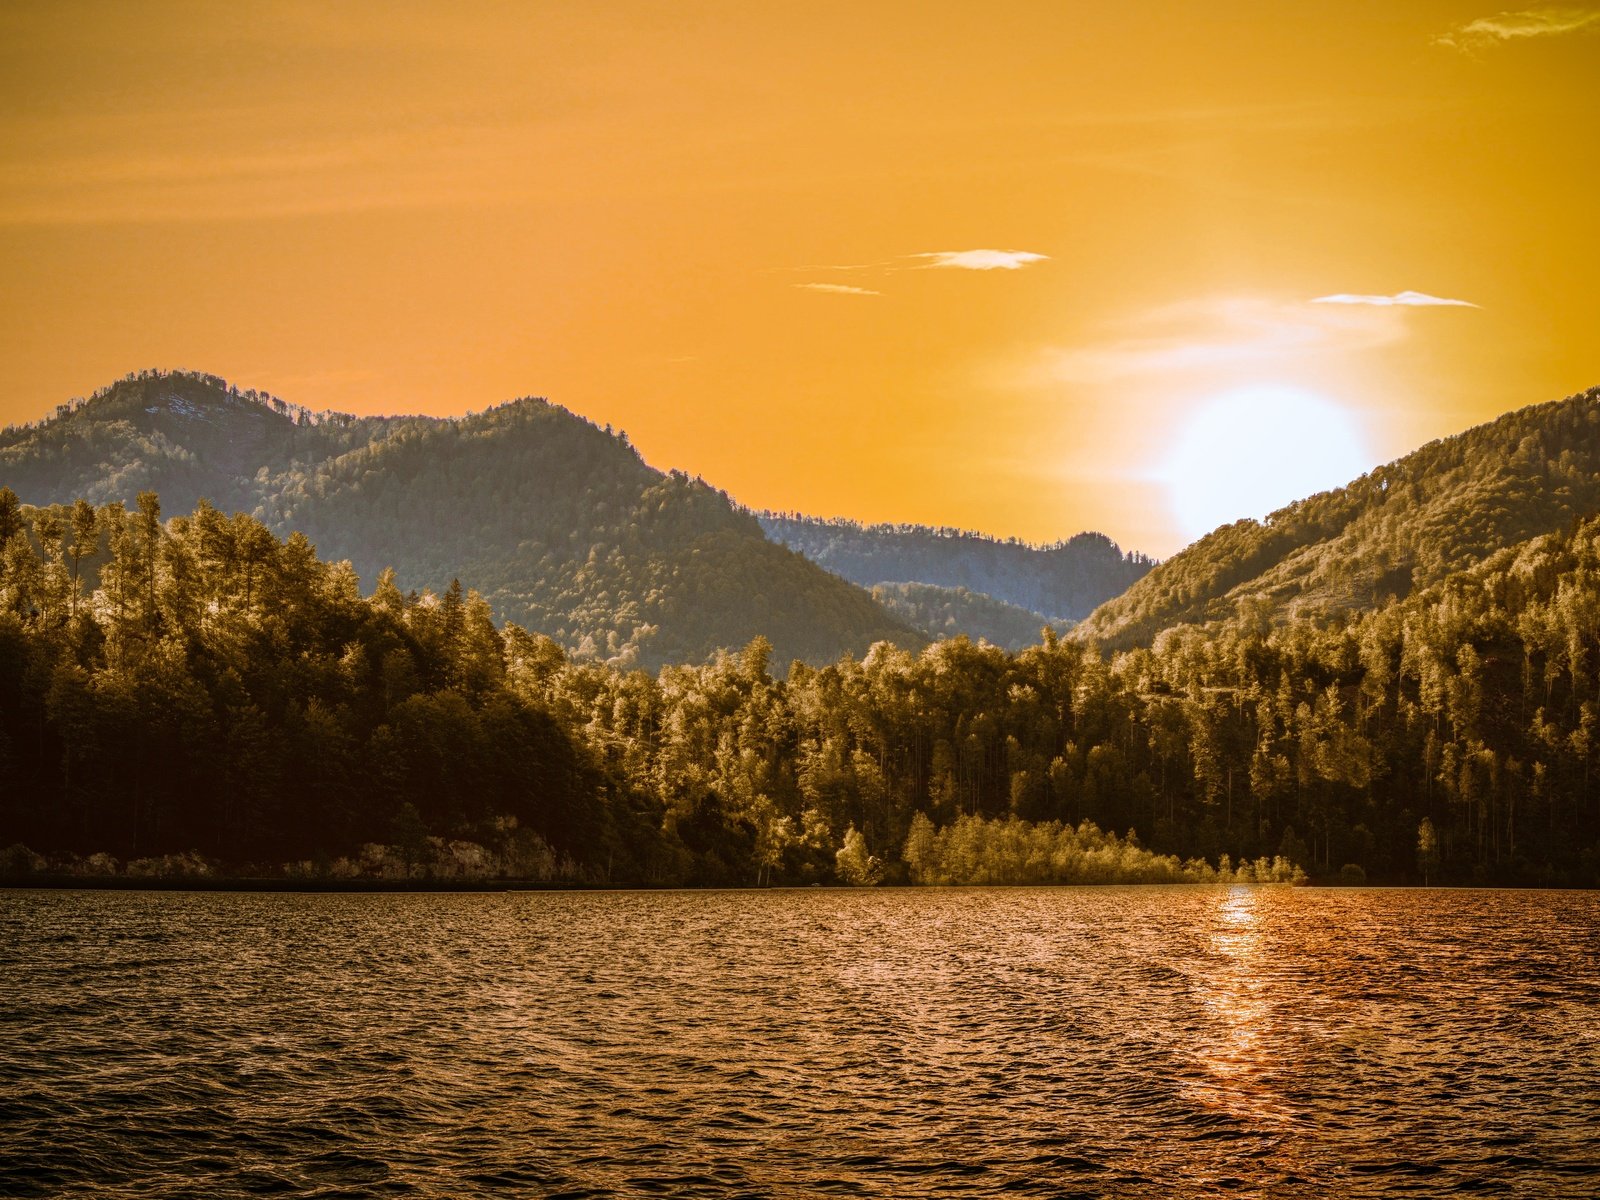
(196, 695)
(1403, 526)
(948, 612)
(559, 523)
(1064, 581)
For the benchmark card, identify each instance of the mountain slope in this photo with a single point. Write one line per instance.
(1063, 582)
(182, 434)
(945, 612)
(1403, 526)
(562, 525)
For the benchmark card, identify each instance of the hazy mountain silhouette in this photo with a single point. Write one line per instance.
(1061, 582)
(560, 524)
(1401, 527)
(947, 612)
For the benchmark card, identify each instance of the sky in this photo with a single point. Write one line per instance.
(998, 266)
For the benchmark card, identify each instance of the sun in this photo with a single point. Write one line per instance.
(1249, 452)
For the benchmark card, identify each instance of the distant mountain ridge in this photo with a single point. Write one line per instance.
(561, 524)
(1062, 582)
(946, 612)
(1404, 526)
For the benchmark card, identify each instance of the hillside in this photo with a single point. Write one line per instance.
(1402, 527)
(561, 525)
(218, 700)
(1064, 582)
(944, 612)
(184, 435)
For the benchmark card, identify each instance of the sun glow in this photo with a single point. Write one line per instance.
(1246, 453)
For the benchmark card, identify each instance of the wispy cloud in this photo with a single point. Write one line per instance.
(979, 260)
(1398, 300)
(1212, 334)
(887, 264)
(1521, 24)
(838, 289)
(957, 260)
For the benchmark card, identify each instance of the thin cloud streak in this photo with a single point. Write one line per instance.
(1398, 300)
(1216, 333)
(888, 264)
(1519, 25)
(838, 289)
(957, 260)
(979, 260)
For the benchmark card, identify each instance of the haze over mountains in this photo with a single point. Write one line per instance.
(1402, 527)
(558, 523)
(1063, 582)
(1394, 677)
(564, 529)
(947, 612)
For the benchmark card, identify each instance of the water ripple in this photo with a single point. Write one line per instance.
(1053, 1042)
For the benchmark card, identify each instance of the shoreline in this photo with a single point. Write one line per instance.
(60, 883)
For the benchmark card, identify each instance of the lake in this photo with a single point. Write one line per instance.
(1163, 1041)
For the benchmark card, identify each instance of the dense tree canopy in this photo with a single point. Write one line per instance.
(946, 612)
(1400, 528)
(561, 525)
(1064, 581)
(196, 684)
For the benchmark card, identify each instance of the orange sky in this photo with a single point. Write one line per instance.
(396, 207)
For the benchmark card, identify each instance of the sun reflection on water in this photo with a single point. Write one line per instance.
(1233, 989)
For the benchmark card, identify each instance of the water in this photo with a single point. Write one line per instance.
(1178, 1041)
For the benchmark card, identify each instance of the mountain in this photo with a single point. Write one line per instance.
(197, 688)
(1064, 582)
(1402, 527)
(560, 524)
(946, 612)
(215, 699)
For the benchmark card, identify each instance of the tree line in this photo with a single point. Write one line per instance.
(1065, 580)
(1403, 527)
(559, 523)
(199, 686)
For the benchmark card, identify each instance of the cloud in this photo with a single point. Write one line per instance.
(1398, 300)
(1525, 23)
(1221, 333)
(980, 260)
(888, 264)
(838, 289)
(958, 260)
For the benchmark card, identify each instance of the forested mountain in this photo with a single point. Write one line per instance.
(561, 524)
(946, 612)
(190, 436)
(1064, 582)
(1402, 527)
(222, 695)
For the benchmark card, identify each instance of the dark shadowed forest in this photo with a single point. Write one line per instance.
(195, 694)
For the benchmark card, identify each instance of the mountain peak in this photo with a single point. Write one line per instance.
(561, 524)
(1402, 526)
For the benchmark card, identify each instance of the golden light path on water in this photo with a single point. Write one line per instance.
(1179, 1042)
(1236, 997)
